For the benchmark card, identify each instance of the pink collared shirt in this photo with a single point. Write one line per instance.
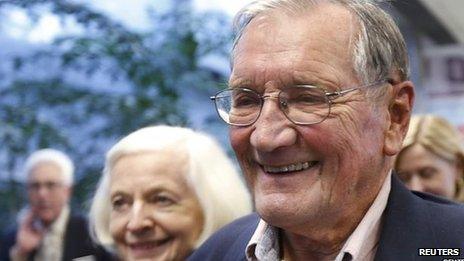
(361, 244)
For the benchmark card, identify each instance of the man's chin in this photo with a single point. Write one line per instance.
(286, 211)
(47, 217)
(275, 211)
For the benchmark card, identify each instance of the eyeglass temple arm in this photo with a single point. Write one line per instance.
(333, 95)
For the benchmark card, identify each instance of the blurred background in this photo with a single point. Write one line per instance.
(78, 75)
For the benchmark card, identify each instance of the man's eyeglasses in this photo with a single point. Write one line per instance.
(301, 104)
(49, 185)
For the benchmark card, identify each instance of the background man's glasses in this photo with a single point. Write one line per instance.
(301, 104)
(50, 186)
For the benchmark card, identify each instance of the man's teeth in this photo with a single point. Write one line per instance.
(289, 168)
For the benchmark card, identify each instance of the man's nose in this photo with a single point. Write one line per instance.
(43, 191)
(272, 130)
(140, 219)
(416, 183)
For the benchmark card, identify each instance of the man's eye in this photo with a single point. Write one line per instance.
(304, 96)
(307, 99)
(244, 100)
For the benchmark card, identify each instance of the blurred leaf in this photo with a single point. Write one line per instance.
(42, 106)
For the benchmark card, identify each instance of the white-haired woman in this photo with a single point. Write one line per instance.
(164, 190)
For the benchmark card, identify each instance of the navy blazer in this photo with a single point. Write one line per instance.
(77, 242)
(412, 220)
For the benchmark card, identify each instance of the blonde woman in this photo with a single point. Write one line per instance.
(432, 158)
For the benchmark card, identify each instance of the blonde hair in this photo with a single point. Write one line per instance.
(440, 137)
(211, 175)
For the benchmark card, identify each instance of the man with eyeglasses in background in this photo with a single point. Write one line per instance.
(318, 104)
(47, 231)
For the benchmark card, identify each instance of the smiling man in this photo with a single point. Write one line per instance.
(319, 102)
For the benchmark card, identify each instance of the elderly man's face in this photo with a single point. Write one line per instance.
(344, 154)
(47, 193)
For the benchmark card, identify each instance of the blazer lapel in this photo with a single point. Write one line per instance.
(406, 225)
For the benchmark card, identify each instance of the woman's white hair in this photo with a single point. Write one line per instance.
(53, 156)
(211, 175)
(378, 49)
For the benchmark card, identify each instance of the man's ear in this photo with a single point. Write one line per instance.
(69, 192)
(459, 168)
(399, 110)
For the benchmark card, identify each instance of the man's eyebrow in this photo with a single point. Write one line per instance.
(44, 181)
(316, 82)
(239, 82)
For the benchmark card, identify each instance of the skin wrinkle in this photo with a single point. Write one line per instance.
(345, 117)
(299, 77)
(320, 78)
(263, 22)
(354, 25)
(261, 63)
(285, 57)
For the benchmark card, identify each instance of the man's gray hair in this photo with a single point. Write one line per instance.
(51, 156)
(379, 50)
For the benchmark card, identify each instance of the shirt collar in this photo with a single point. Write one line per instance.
(264, 244)
(360, 245)
(59, 225)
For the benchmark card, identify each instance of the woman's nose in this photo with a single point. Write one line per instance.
(140, 219)
(416, 183)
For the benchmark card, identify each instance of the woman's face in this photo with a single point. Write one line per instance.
(155, 214)
(422, 170)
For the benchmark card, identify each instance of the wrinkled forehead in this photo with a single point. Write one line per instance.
(290, 11)
(282, 43)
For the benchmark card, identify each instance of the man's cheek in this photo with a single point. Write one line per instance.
(240, 143)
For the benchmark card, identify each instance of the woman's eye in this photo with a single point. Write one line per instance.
(163, 200)
(427, 172)
(119, 204)
(404, 176)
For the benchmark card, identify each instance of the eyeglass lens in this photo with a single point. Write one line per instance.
(301, 105)
(50, 185)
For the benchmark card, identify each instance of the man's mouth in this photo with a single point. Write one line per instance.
(290, 168)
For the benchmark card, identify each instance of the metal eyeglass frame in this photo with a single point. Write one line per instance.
(330, 97)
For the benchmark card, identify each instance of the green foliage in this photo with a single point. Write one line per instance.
(148, 71)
